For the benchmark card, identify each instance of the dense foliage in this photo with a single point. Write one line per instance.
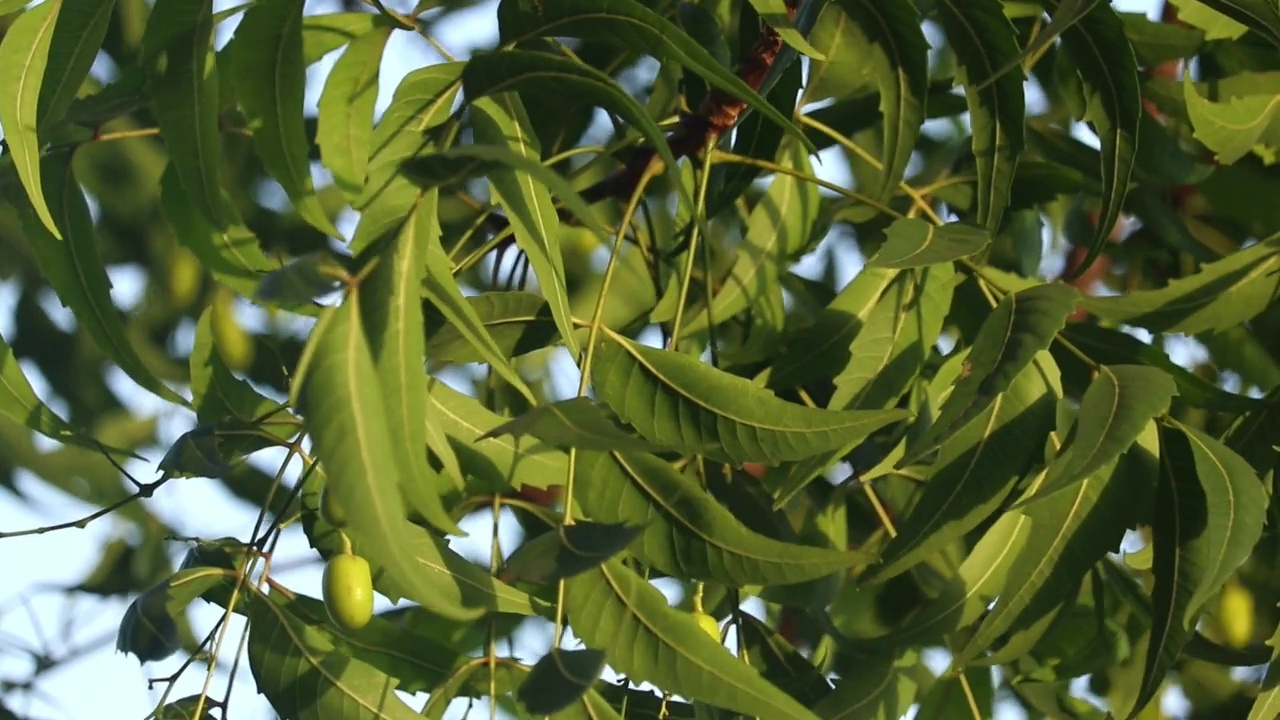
(854, 314)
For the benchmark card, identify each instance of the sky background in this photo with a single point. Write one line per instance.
(35, 615)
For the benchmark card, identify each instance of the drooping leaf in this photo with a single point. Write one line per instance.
(1222, 295)
(523, 70)
(309, 673)
(574, 423)
(986, 46)
(1022, 325)
(1236, 125)
(270, 82)
(342, 405)
(149, 628)
(75, 269)
(914, 243)
(322, 33)
(500, 120)
(1262, 16)
(675, 400)
(1209, 511)
(688, 533)
(569, 550)
(344, 129)
(976, 468)
(24, 56)
(613, 609)
(195, 454)
(519, 323)
(178, 54)
(77, 37)
(779, 662)
(498, 461)
(1109, 74)
(885, 686)
(304, 279)
(559, 679)
(889, 34)
(1115, 409)
(636, 27)
(392, 319)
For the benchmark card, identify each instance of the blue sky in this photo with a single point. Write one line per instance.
(100, 683)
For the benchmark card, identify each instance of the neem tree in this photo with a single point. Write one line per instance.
(943, 453)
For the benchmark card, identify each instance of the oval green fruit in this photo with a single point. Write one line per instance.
(1236, 614)
(348, 591)
(708, 625)
(331, 510)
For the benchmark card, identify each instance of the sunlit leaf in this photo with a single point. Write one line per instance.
(612, 608)
(914, 243)
(344, 129)
(1262, 16)
(519, 323)
(24, 56)
(568, 550)
(574, 423)
(1233, 127)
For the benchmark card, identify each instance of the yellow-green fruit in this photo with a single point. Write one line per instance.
(348, 591)
(708, 625)
(1235, 614)
(233, 343)
(185, 274)
(331, 510)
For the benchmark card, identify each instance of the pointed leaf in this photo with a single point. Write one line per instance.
(77, 37)
(392, 319)
(195, 454)
(183, 77)
(675, 400)
(568, 550)
(1262, 16)
(780, 662)
(885, 686)
(1222, 295)
(1023, 324)
(914, 243)
(774, 14)
(519, 323)
(575, 423)
(890, 34)
(149, 629)
(686, 532)
(632, 25)
(270, 82)
(986, 47)
(500, 120)
(344, 128)
(302, 280)
(614, 609)
(977, 467)
(1209, 511)
(1109, 72)
(1114, 411)
(24, 56)
(1234, 127)
(559, 679)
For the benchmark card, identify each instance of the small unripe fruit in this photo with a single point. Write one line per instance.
(331, 510)
(185, 277)
(708, 625)
(235, 346)
(348, 591)
(1236, 614)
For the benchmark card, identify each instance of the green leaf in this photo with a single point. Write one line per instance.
(1104, 58)
(774, 14)
(675, 400)
(324, 33)
(1114, 411)
(631, 25)
(149, 628)
(1233, 127)
(686, 532)
(304, 279)
(777, 230)
(1261, 16)
(519, 323)
(1268, 703)
(270, 82)
(194, 454)
(779, 661)
(560, 679)
(392, 319)
(77, 37)
(1216, 26)
(499, 462)
(24, 56)
(524, 70)
(308, 672)
(441, 288)
(500, 120)
(914, 243)
(889, 36)
(885, 686)
(341, 401)
(612, 608)
(1070, 532)
(185, 709)
(232, 255)
(344, 129)
(1209, 511)
(575, 423)
(568, 550)
(75, 269)
(178, 56)
(1222, 295)
(1023, 324)
(977, 467)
